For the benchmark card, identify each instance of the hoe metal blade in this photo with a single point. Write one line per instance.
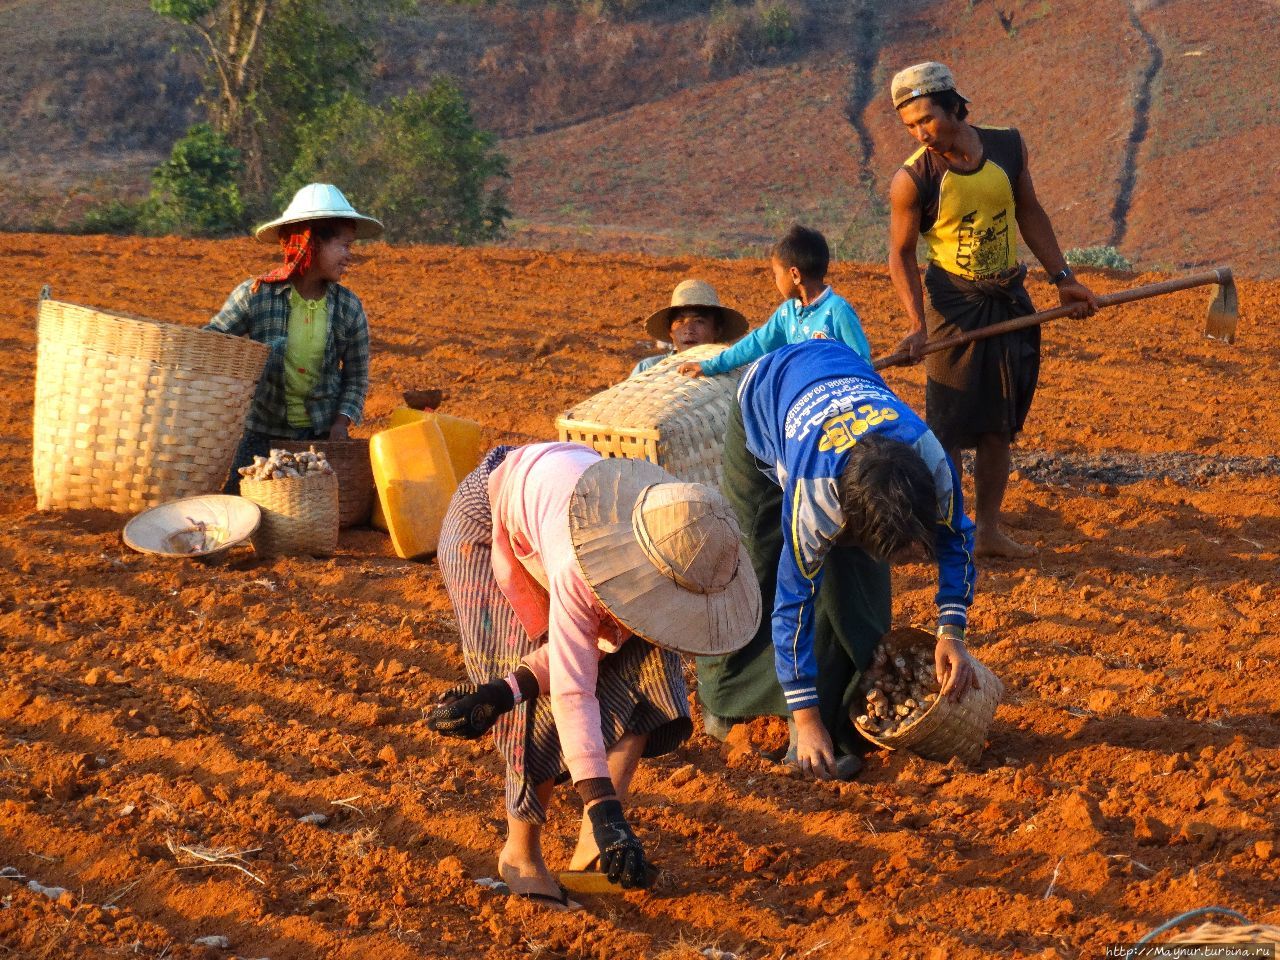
(1224, 309)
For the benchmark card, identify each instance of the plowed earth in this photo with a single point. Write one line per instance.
(147, 706)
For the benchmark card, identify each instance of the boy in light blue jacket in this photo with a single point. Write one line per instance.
(812, 311)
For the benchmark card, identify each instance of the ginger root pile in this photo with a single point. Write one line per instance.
(900, 688)
(283, 464)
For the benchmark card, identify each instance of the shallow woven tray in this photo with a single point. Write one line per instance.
(1217, 933)
(299, 514)
(661, 416)
(947, 729)
(350, 461)
(193, 527)
(131, 413)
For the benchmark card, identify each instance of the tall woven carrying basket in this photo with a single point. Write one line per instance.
(948, 728)
(675, 421)
(350, 461)
(130, 413)
(299, 514)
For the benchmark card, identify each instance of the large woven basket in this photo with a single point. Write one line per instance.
(948, 728)
(299, 514)
(675, 421)
(130, 413)
(350, 461)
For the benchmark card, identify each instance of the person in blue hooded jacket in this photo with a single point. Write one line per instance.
(832, 476)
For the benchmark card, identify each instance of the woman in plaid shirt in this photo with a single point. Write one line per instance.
(314, 384)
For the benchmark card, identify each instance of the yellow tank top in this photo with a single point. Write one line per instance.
(967, 219)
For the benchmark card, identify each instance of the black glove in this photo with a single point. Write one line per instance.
(621, 856)
(468, 711)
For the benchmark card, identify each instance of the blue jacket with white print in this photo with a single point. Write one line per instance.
(804, 406)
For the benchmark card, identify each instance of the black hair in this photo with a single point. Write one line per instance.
(806, 250)
(950, 102)
(328, 228)
(887, 497)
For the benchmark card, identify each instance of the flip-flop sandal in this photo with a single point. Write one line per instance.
(596, 881)
(561, 902)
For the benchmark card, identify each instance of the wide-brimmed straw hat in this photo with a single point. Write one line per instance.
(319, 201)
(696, 293)
(664, 557)
(194, 526)
(921, 80)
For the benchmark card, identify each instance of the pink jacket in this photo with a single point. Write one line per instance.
(534, 564)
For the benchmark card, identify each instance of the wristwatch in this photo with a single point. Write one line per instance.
(1062, 275)
(951, 632)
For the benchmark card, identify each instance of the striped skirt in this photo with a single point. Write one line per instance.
(641, 688)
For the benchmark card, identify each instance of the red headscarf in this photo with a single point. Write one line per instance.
(295, 241)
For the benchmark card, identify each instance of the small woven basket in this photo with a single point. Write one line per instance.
(130, 413)
(675, 421)
(1217, 933)
(948, 728)
(350, 461)
(299, 514)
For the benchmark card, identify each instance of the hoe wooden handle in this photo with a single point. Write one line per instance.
(1220, 276)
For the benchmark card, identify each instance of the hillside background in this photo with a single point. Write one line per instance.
(637, 125)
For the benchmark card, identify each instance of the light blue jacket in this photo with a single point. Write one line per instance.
(830, 317)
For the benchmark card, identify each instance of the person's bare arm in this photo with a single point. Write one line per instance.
(904, 269)
(1037, 231)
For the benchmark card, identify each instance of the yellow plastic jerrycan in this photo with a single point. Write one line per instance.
(461, 438)
(415, 480)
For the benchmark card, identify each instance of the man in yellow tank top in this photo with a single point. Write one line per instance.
(967, 192)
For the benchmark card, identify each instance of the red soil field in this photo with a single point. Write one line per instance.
(1131, 772)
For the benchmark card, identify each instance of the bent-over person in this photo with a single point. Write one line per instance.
(833, 477)
(566, 571)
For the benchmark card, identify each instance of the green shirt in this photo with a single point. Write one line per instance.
(307, 333)
(344, 378)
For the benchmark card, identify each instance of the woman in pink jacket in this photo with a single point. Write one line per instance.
(574, 580)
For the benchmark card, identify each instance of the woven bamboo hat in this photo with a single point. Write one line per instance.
(319, 201)
(664, 557)
(193, 526)
(696, 293)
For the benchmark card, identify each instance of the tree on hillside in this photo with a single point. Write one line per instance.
(286, 103)
(272, 64)
(419, 161)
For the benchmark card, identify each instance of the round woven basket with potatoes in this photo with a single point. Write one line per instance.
(299, 514)
(942, 728)
(350, 461)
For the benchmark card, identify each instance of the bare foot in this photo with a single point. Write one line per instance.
(998, 544)
(534, 879)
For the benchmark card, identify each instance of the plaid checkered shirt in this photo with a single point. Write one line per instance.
(344, 378)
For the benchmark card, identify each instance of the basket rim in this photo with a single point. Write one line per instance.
(309, 477)
(178, 329)
(599, 426)
(356, 441)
